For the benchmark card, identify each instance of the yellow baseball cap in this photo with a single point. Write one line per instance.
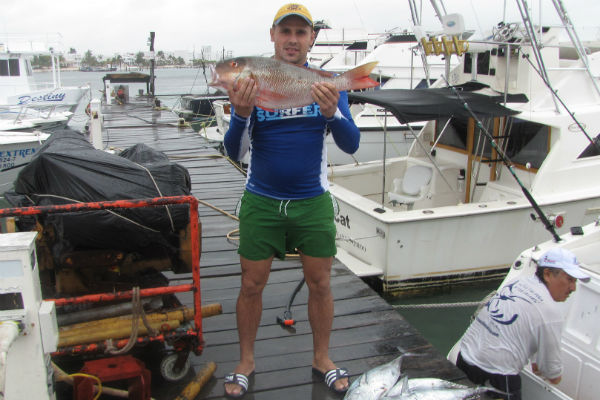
(293, 9)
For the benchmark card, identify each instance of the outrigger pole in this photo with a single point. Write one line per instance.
(549, 226)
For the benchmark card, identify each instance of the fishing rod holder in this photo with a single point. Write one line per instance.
(557, 220)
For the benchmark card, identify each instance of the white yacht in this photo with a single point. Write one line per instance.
(457, 208)
(25, 103)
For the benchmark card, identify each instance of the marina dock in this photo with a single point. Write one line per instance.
(367, 331)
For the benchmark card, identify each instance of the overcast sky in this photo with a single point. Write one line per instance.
(110, 26)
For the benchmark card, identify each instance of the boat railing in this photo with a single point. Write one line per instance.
(21, 113)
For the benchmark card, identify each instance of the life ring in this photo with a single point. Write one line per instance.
(88, 109)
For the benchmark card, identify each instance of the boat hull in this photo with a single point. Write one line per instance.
(17, 148)
(16, 151)
(62, 97)
(420, 249)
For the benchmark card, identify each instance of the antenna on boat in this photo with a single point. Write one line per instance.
(507, 163)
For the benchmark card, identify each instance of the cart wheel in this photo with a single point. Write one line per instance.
(167, 368)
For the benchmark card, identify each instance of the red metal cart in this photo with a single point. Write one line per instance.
(175, 365)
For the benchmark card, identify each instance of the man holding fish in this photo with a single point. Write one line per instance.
(281, 111)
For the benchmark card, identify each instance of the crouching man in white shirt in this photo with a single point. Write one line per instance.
(521, 321)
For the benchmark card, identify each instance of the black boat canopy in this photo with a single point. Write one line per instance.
(411, 105)
(126, 77)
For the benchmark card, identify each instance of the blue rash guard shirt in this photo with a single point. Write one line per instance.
(288, 154)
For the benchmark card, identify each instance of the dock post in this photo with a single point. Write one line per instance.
(96, 124)
(108, 97)
(152, 57)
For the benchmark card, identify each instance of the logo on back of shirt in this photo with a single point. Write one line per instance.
(312, 110)
(497, 305)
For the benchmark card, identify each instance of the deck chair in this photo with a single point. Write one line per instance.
(413, 187)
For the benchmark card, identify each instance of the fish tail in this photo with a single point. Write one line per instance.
(358, 78)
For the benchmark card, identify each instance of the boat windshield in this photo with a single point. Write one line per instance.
(524, 143)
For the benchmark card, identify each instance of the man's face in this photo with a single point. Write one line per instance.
(292, 39)
(559, 284)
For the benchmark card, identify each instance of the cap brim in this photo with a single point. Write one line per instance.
(578, 274)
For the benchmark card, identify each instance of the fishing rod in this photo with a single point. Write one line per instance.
(507, 163)
(555, 94)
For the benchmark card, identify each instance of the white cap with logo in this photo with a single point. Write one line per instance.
(557, 257)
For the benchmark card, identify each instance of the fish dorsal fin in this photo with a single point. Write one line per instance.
(363, 380)
(405, 389)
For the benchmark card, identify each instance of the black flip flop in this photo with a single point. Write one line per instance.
(332, 376)
(237, 379)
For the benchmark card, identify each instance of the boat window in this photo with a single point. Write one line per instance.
(525, 142)
(3, 67)
(467, 65)
(592, 149)
(13, 66)
(9, 67)
(455, 134)
(483, 64)
(528, 142)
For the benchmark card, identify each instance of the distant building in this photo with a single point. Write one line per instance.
(205, 53)
(71, 60)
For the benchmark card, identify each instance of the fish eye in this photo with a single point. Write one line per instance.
(234, 64)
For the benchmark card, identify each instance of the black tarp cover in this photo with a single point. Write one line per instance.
(428, 104)
(68, 169)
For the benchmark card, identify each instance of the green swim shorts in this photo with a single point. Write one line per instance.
(273, 227)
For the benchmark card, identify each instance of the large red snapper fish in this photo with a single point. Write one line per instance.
(282, 85)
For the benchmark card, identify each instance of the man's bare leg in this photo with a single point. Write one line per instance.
(320, 311)
(255, 275)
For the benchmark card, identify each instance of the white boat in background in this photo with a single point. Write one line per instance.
(451, 211)
(24, 103)
(340, 49)
(580, 341)
(16, 150)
